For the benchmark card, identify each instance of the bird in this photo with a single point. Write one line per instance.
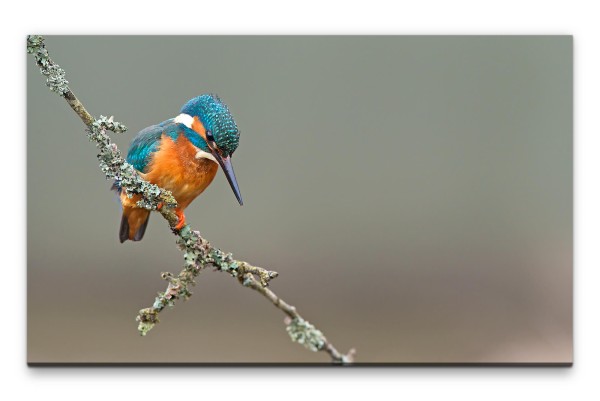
(182, 155)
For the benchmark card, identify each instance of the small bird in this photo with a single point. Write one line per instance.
(182, 155)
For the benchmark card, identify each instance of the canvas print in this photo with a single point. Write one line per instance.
(327, 200)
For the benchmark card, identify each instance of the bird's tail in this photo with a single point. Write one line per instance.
(133, 221)
(133, 224)
(116, 187)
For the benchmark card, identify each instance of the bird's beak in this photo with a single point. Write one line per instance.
(225, 163)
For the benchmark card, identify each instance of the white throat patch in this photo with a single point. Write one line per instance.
(184, 119)
(187, 120)
(200, 154)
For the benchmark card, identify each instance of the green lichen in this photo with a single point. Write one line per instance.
(147, 319)
(55, 76)
(304, 333)
(198, 254)
(33, 43)
(124, 174)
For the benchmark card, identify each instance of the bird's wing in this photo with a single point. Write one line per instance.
(144, 144)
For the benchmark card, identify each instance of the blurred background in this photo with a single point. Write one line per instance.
(414, 193)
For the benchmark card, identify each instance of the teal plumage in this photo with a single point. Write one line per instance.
(182, 155)
(215, 117)
(147, 142)
(143, 145)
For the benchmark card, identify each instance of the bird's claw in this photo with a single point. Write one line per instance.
(181, 219)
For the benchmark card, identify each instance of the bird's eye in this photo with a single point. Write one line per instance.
(210, 139)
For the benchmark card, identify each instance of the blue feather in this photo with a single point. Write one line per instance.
(147, 141)
(214, 115)
(143, 145)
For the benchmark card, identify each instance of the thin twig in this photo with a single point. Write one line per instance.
(198, 253)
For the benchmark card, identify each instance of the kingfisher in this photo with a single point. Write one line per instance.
(182, 155)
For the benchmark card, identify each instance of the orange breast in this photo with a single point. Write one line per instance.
(175, 167)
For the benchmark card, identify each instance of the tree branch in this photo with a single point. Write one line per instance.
(198, 253)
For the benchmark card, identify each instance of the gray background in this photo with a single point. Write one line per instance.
(414, 193)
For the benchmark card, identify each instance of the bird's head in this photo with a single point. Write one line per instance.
(216, 133)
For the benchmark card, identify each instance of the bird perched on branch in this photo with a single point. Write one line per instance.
(182, 155)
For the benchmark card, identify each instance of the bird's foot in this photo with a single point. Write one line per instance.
(181, 219)
(159, 206)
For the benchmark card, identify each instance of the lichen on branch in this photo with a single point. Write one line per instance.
(55, 76)
(198, 252)
(124, 174)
